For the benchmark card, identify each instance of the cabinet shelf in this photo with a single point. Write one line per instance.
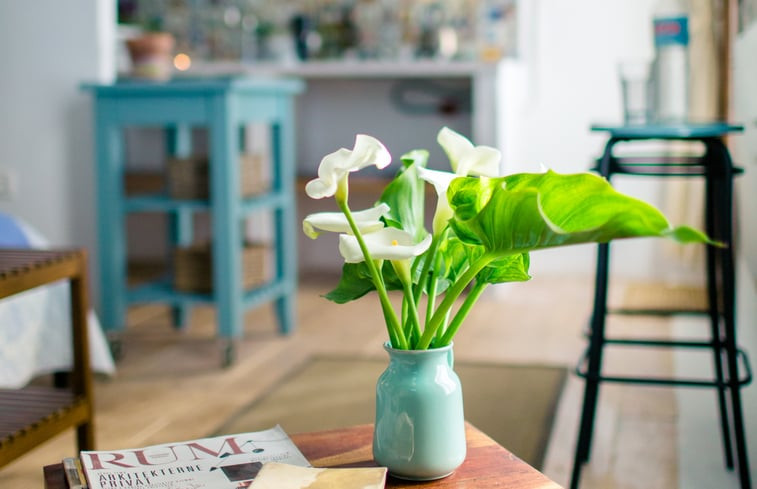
(164, 203)
(162, 291)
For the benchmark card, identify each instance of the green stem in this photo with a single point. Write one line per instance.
(429, 275)
(393, 338)
(413, 329)
(430, 254)
(433, 281)
(393, 323)
(461, 314)
(442, 328)
(450, 297)
(430, 299)
(414, 320)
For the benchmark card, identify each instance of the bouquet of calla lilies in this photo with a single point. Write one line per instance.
(483, 229)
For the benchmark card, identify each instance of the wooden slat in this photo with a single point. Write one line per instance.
(22, 270)
(33, 415)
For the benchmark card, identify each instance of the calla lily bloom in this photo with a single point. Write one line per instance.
(335, 166)
(368, 221)
(440, 180)
(467, 159)
(385, 244)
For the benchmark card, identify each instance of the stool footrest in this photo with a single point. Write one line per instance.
(582, 371)
(660, 343)
(658, 312)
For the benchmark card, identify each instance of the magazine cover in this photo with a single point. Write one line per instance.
(226, 461)
(275, 475)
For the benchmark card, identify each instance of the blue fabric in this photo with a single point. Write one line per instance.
(11, 234)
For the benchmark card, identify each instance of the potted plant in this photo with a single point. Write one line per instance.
(151, 52)
(483, 230)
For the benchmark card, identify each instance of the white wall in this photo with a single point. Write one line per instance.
(700, 459)
(48, 48)
(571, 51)
(564, 81)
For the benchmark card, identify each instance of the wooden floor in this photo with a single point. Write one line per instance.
(169, 385)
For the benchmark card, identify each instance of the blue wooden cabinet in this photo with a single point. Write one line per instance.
(223, 106)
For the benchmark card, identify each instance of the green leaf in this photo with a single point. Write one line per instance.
(686, 234)
(510, 268)
(467, 196)
(417, 156)
(455, 258)
(356, 282)
(405, 195)
(524, 212)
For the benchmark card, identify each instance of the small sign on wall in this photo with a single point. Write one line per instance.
(747, 13)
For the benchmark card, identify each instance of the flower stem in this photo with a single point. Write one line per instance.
(462, 313)
(430, 254)
(433, 282)
(392, 322)
(450, 297)
(413, 329)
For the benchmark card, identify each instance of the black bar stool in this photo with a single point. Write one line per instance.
(731, 365)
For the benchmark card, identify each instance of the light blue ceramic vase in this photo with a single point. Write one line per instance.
(420, 426)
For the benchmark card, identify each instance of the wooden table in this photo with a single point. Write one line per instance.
(487, 465)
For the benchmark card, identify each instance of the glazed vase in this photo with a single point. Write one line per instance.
(419, 432)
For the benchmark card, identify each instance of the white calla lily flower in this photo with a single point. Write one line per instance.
(480, 161)
(335, 166)
(385, 244)
(440, 180)
(467, 159)
(368, 221)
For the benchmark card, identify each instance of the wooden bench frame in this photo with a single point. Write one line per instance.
(32, 415)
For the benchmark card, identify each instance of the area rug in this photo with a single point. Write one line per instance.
(514, 404)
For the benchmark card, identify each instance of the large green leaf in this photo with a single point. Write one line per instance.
(405, 195)
(524, 212)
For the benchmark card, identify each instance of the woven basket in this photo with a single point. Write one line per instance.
(188, 178)
(193, 270)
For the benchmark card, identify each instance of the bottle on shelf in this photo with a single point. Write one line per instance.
(671, 65)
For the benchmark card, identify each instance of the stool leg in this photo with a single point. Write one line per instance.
(722, 201)
(738, 417)
(713, 299)
(733, 369)
(593, 369)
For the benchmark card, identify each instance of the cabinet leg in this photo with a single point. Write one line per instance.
(228, 353)
(285, 310)
(180, 316)
(115, 344)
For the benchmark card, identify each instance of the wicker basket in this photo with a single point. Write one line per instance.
(188, 178)
(193, 270)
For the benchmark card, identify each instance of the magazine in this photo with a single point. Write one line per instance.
(222, 462)
(276, 475)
